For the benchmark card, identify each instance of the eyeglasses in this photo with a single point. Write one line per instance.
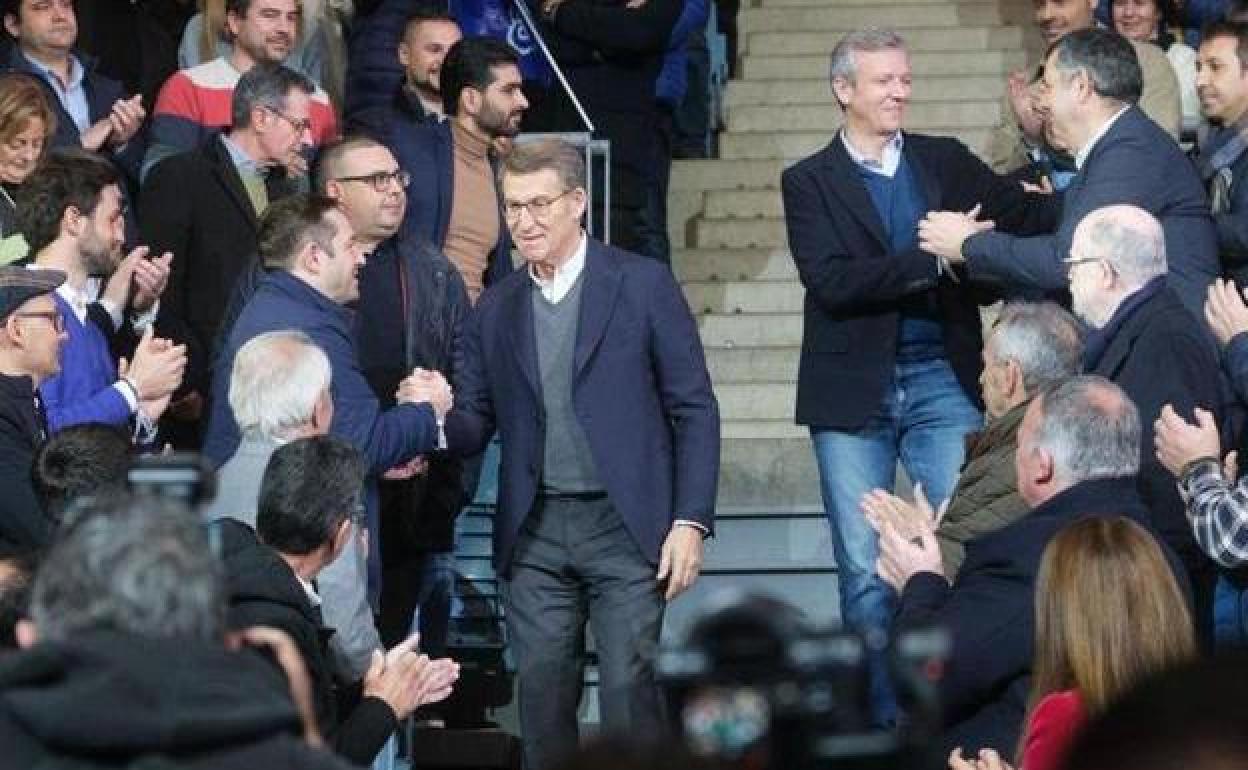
(301, 126)
(538, 208)
(380, 181)
(54, 316)
(1072, 262)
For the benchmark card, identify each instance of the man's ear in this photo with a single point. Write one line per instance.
(470, 100)
(1014, 381)
(1044, 466)
(72, 222)
(405, 53)
(26, 634)
(842, 90)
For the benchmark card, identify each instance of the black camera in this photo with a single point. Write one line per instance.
(755, 685)
(183, 476)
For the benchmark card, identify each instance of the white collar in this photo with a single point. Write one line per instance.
(890, 157)
(310, 590)
(565, 275)
(1081, 157)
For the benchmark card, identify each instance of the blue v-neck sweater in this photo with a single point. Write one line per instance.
(83, 391)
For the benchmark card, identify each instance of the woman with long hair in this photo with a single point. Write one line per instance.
(1108, 613)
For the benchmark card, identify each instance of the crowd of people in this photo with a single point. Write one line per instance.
(310, 242)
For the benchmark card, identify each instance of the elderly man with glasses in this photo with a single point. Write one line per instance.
(588, 362)
(1145, 340)
(204, 206)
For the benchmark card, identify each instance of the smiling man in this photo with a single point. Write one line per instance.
(1222, 84)
(588, 362)
(890, 349)
(195, 103)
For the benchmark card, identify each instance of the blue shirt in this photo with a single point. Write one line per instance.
(72, 95)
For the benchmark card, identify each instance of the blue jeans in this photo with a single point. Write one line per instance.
(433, 602)
(923, 422)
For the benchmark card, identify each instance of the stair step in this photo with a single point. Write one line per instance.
(789, 67)
(814, 593)
(917, 40)
(772, 472)
(770, 543)
(756, 400)
(762, 429)
(818, 91)
(744, 296)
(755, 364)
(716, 174)
(793, 145)
(740, 233)
(772, 264)
(743, 204)
(753, 330)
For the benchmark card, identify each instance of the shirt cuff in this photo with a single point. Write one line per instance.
(690, 523)
(441, 434)
(129, 393)
(140, 321)
(114, 312)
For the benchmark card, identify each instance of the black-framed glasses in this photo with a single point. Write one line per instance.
(538, 208)
(300, 126)
(380, 181)
(54, 316)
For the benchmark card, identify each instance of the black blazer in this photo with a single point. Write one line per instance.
(1161, 354)
(23, 522)
(855, 286)
(640, 390)
(1136, 162)
(989, 613)
(194, 205)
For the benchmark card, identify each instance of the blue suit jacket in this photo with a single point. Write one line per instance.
(283, 301)
(1135, 162)
(640, 391)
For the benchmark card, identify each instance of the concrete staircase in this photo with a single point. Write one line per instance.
(738, 275)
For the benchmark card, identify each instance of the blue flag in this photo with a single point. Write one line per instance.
(499, 18)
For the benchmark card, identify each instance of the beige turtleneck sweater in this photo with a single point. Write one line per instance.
(473, 231)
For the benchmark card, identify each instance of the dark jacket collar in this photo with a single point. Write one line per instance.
(288, 284)
(1119, 494)
(1099, 339)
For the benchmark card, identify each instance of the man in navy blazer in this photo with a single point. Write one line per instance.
(891, 342)
(1091, 83)
(1078, 454)
(589, 363)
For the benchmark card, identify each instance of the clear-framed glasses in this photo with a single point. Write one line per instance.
(538, 208)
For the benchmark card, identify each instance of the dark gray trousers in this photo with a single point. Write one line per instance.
(574, 561)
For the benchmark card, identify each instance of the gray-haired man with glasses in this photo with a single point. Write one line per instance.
(205, 205)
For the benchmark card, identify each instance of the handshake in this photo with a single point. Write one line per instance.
(424, 386)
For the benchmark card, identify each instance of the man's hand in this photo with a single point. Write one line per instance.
(151, 276)
(943, 232)
(907, 538)
(426, 386)
(284, 651)
(416, 466)
(987, 760)
(680, 559)
(1225, 311)
(407, 680)
(126, 118)
(97, 134)
(1044, 188)
(1179, 442)
(157, 367)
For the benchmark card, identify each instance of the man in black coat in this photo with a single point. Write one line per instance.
(303, 522)
(126, 634)
(31, 335)
(204, 206)
(890, 357)
(1078, 455)
(1146, 341)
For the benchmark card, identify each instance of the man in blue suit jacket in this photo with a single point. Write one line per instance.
(1092, 82)
(590, 365)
